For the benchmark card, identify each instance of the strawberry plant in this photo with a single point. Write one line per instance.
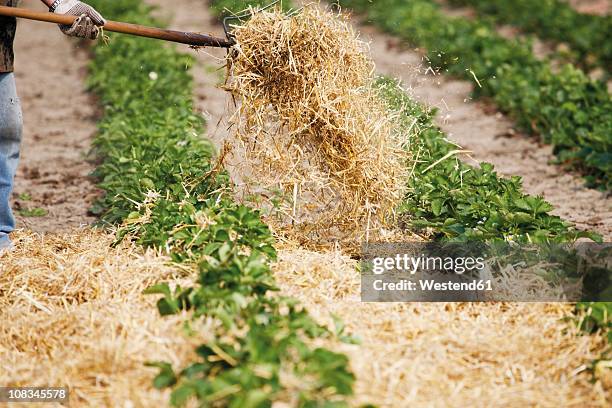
(596, 316)
(462, 202)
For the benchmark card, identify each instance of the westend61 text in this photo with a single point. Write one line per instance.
(432, 285)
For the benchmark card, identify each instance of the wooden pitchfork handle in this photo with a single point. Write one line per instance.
(200, 40)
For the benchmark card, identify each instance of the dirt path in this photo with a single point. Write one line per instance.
(59, 121)
(490, 135)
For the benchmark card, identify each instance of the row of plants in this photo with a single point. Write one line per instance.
(565, 108)
(463, 203)
(587, 35)
(165, 189)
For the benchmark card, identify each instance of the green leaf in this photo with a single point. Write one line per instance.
(436, 206)
(33, 212)
(161, 288)
(256, 398)
(181, 395)
(166, 377)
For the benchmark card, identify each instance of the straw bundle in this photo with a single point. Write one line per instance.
(311, 125)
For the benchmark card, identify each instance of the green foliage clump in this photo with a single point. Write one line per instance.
(233, 7)
(596, 316)
(462, 202)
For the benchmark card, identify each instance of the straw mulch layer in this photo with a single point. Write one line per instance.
(449, 354)
(314, 135)
(73, 315)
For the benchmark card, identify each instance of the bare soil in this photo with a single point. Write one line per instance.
(600, 7)
(59, 122)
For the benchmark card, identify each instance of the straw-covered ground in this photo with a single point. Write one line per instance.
(73, 314)
(449, 354)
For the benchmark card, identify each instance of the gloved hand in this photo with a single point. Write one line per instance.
(86, 25)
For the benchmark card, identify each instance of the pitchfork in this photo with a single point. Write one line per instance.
(183, 37)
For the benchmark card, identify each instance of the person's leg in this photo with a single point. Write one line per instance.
(10, 140)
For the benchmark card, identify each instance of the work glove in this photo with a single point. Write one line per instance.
(88, 23)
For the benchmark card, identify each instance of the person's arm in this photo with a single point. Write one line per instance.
(86, 25)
